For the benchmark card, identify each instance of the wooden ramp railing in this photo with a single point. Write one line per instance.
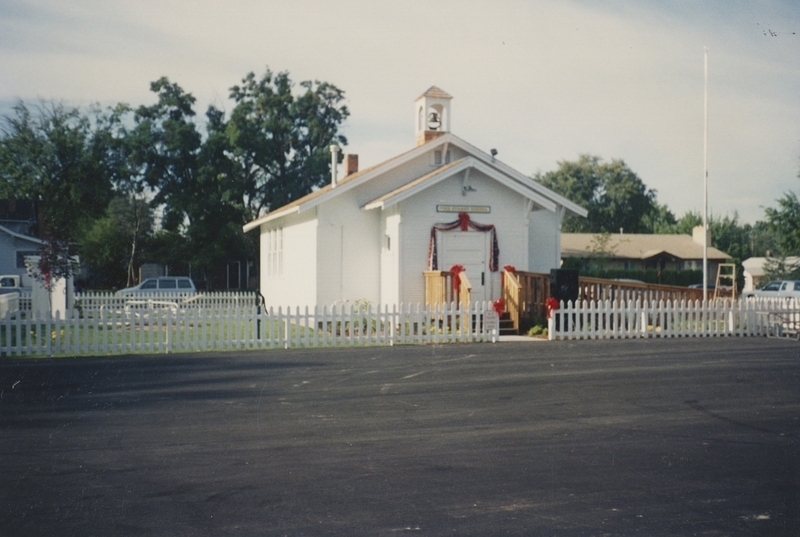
(439, 288)
(525, 293)
(615, 290)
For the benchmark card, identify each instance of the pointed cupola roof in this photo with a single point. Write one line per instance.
(435, 93)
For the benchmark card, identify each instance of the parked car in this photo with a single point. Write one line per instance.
(164, 284)
(777, 289)
(11, 283)
(709, 286)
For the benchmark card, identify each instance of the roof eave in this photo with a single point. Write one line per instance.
(258, 222)
(21, 236)
(468, 162)
(527, 182)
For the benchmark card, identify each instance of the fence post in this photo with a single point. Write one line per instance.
(286, 319)
(168, 330)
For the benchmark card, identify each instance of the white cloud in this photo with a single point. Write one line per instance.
(541, 81)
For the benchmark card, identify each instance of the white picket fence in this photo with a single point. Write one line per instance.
(668, 319)
(94, 301)
(9, 305)
(166, 326)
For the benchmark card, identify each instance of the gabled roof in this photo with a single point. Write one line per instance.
(428, 180)
(21, 236)
(524, 185)
(435, 93)
(637, 246)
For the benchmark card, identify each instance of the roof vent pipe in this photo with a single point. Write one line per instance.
(334, 164)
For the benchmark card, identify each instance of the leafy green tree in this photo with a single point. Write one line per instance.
(272, 150)
(61, 158)
(740, 241)
(781, 268)
(56, 155)
(101, 176)
(279, 141)
(784, 221)
(661, 220)
(114, 245)
(190, 177)
(165, 144)
(615, 197)
(763, 240)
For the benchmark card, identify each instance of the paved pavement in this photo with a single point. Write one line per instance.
(661, 437)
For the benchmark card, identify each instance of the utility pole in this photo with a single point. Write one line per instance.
(705, 175)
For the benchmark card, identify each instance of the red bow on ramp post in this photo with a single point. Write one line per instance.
(551, 304)
(456, 270)
(499, 306)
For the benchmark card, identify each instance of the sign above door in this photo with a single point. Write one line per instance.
(463, 209)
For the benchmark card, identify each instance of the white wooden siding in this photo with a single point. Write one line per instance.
(400, 176)
(390, 270)
(419, 215)
(543, 233)
(349, 252)
(297, 284)
(338, 252)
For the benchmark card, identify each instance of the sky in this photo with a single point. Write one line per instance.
(541, 81)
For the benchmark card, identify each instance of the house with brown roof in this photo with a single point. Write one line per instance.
(643, 251)
(372, 234)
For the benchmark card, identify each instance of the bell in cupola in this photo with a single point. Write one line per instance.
(434, 122)
(432, 110)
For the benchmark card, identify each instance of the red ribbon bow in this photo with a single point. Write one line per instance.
(463, 221)
(456, 270)
(551, 304)
(506, 268)
(499, 306)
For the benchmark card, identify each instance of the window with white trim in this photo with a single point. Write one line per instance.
(274, 256)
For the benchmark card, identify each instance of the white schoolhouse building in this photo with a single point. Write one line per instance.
(371, 234)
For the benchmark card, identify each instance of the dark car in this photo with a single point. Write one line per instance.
(163, 284)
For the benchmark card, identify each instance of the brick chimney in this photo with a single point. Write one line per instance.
(350, 164)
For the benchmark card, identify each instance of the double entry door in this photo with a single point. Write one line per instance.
(469, 249)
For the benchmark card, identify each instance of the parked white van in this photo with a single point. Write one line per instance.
(777, 289)
(164, 284)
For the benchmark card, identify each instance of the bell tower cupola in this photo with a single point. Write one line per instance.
(432, 110)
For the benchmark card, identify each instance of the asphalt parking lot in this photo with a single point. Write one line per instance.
(660, 437)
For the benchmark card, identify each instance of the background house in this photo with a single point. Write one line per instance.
(19, 216)
(632, 251)
(14, 247)
(371, 234)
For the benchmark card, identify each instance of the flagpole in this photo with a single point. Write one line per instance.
(705, 175)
